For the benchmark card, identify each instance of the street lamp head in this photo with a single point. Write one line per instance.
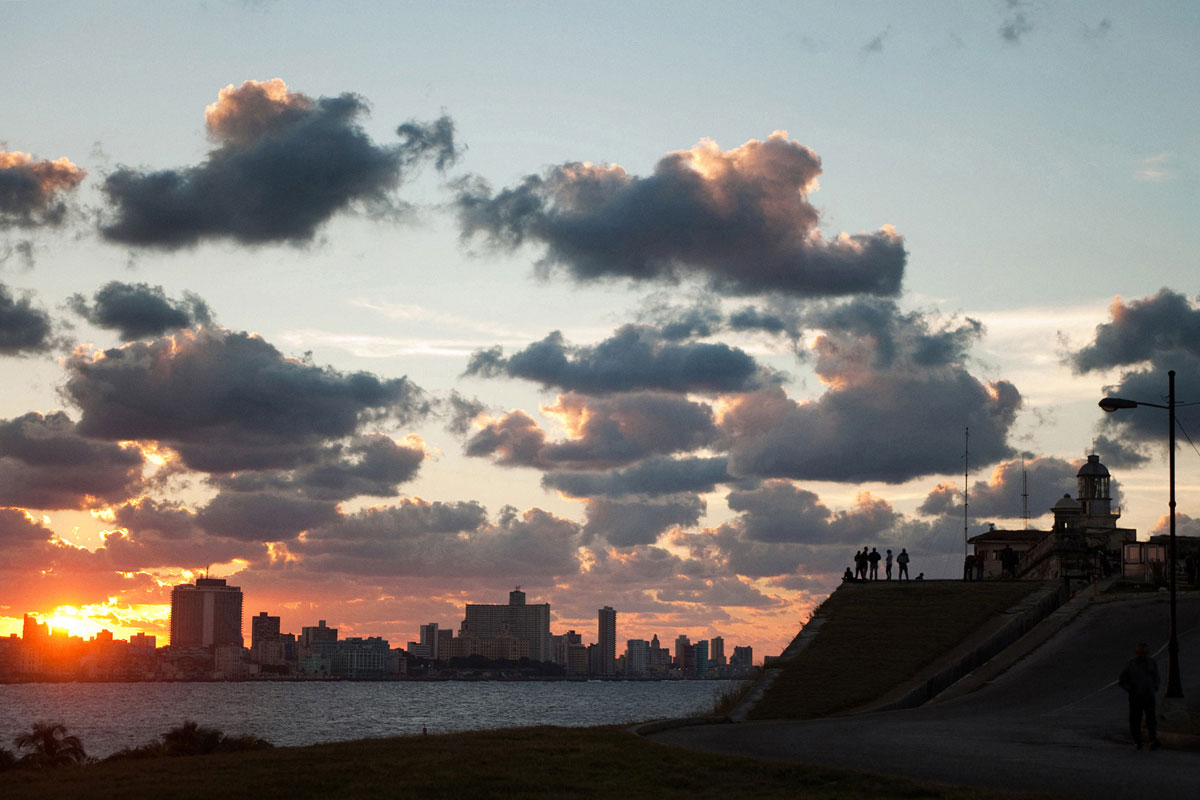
(1111, 404)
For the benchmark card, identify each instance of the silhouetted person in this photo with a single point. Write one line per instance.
(860, 564)
(887, 565)
(873, 560)
(848, 576)
(979, 568)
(1139, 679)
(969, 567)
(902, 563)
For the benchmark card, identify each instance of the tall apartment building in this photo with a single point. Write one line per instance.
(607, 635)
(206, 614)
(700, 651)
(716, 651)
(637, 657)
(742, 657)
(530, 623)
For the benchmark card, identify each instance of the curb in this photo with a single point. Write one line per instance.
(660, 725)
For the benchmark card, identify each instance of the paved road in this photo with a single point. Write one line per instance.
(1055, 722)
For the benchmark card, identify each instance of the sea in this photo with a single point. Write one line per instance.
(110, 716)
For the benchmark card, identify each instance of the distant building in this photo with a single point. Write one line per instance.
(682, 643)
(742, 657)
(637, 657)
(263, 628)
(607, 635)
(206, 614)
(716, 651)
(700, 654)
(529, 623)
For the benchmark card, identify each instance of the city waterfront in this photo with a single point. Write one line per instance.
(110, 716)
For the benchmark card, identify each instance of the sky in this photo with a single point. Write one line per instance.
(379, 309)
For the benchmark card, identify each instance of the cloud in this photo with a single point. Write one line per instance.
(31, 191)
(635, 358)
(875, 45)
(1151, 336)
(651, 477)
(421, 538)
(23, 328)
(739, 219)
(1155, 169)
(1000, 495)
(1119, 454)
(282, 166)
(229, 401)
(1015, 24)
(605, 432)
(624, 524)
(46, 464)
(779, 511)
(1100, 31)
(898, 397)
(463, 411)
(140, 311)
(264, 516)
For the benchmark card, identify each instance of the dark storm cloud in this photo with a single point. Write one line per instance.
(156, 534)
(624, 524)
(46, 464)
(229, 401)
(1119, 454)
(462, 411)
(372, 465)
(419, 538)
(284, 164)
(635, 358)
(18, 532)
(23, 328)
(139, 310)
(778, 511)
(999, 496)
(605, 432)
(741, 220)
(652, 477)
(264, 516)
(31, 190)
(899, 397)
(1151, 335)
(1141, 331)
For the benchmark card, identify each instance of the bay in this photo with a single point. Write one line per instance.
(110, 716)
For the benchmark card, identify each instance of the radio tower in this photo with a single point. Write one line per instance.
(1024, 494)
(966, 478)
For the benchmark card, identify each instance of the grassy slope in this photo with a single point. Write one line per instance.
(877, 635)
(529, 762)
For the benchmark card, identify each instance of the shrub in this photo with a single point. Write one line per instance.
(48, 745)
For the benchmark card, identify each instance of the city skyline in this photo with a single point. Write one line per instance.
(659, 307)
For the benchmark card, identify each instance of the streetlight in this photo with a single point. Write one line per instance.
(1110, 404)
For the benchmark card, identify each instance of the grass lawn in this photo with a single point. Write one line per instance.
(530, 762)
(876, 636)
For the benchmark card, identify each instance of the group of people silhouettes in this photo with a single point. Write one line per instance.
(866, 565)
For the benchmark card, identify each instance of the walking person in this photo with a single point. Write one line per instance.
(873, 560)
(902, 562)
(1139, 679)
(887, 565)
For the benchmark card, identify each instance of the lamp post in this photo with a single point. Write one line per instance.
(1110, 404)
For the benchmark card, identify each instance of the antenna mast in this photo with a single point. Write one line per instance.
(1024, 494)
(966, 478)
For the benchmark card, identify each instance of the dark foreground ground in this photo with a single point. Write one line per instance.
(1055, 722)
(525, 763)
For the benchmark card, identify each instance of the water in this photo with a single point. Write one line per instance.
(110, 716)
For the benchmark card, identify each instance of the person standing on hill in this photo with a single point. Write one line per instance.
(887, 565)
(902, 562)
(1139, 679)
(873, 560)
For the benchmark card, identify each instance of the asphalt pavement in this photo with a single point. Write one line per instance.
(1055, 722)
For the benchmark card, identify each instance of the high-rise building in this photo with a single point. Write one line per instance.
(700, 651)
(637, 657)
(682, 643)
(206, 614)
(530, 623)
(716, 651)
(607, 635)
(742, 657)
(263, 628)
